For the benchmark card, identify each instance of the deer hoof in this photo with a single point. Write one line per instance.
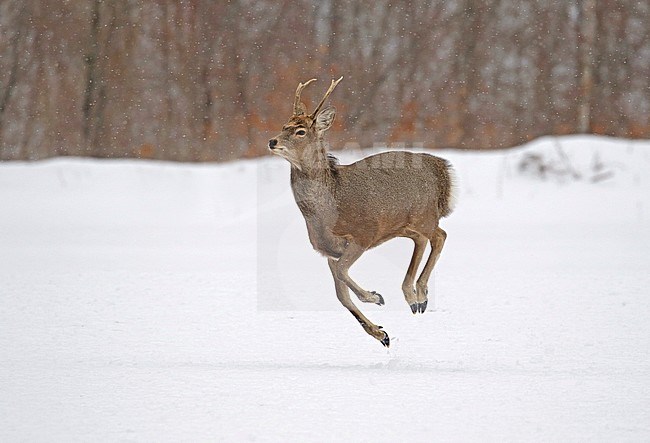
(422, 306)
(379, 302)
(414, 308)
(385, 341)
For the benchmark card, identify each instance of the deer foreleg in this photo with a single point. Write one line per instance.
(343, 294)
(350, 255)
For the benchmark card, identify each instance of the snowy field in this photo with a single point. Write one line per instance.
(146, 301)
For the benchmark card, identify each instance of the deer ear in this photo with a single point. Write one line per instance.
(325, 118)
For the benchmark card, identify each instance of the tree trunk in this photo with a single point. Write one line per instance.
(586, 48)
(91, 74)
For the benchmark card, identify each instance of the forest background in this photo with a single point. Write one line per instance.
(203, 80)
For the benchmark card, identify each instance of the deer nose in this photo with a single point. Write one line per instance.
(273, 143)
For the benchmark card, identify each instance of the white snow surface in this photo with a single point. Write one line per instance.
(148, 301)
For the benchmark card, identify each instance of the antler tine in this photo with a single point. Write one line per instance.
(296, 103)
(327, 94)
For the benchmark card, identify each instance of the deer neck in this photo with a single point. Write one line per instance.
(314, 163)
(313, 184)
(314, 188)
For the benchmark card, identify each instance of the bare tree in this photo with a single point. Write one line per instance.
(203, 80)
(586, 54)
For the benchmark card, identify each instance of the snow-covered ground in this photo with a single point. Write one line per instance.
(162, 302)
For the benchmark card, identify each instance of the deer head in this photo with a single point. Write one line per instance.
(301, 135)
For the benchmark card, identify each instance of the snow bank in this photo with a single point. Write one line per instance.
(156, 301)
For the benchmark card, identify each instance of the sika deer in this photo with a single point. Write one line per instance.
(352, 208)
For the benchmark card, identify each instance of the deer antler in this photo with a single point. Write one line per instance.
(297, 109)
(327, 94)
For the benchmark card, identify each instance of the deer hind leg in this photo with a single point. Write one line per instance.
(421, 287)
(343, 294)
(409, 280)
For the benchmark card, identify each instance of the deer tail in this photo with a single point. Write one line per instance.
(449, 191)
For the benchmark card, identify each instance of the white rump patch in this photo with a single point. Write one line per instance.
(454, 188)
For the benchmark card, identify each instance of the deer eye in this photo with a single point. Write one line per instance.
(301, 132)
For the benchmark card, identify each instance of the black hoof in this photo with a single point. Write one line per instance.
(414, 308)
(385, 341)
(422, 306)
(381, 299)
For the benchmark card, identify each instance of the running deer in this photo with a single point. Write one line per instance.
(352, 208)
